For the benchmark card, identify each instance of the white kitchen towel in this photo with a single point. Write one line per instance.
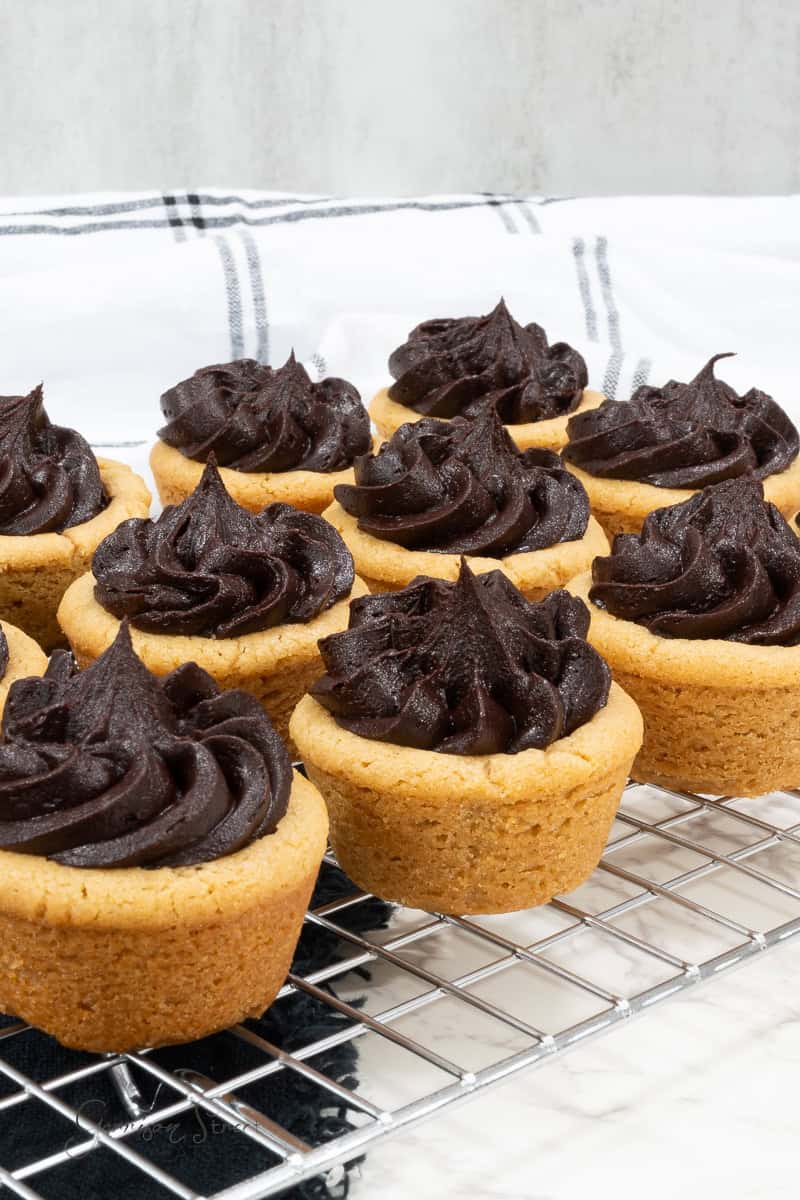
(110, 299)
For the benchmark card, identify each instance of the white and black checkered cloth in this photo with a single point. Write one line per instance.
(111, 299)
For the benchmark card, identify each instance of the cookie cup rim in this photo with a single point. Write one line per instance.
(90, 629)
(128, 497)
(135, 898)
(394, 565)
(612, 736)
(700, 662)
(25, 658)
(253, 490)
(635, 500)
(547, 434)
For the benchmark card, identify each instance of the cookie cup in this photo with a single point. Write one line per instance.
(177, 477)
(483, 834)
(386, 567)
(550, 434)
(36, 569)
(621, 505)
(115, 960)
(277, 665)
(719, 717)
(25, 658)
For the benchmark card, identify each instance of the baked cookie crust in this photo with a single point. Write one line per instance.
(463, 834)
(277, 666)
(115, 960)
(37, 569)
(621, 505)
(719, 717)
(177, 477)
(550, 434)
(25, 658)
(386, 567)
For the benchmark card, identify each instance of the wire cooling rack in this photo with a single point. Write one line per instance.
(440, 1008)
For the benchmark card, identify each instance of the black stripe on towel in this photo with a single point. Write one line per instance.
(585, 288)
(616, 358)
(174, 218)
(226, 222)
(233, 295)
(259, 297)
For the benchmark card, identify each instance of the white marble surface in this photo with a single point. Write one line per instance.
(697, 1098)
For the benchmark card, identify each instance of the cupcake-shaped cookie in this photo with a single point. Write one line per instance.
(666, 443)
(245, 595)
(698, 616)
(276, 435)
(439, 490)
(20, 656)
(157, 854)
(466, 366)
(57, 503)
(467, 744)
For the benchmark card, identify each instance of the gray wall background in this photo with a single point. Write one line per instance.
(403, 96)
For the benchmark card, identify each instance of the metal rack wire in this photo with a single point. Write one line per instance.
(689, 886)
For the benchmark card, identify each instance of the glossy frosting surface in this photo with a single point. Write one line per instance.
(463, 366)
(684, 435)
(470, 667)
(464, 488)
(111, 767)
(256, 418)
(49, 478)
(209, 567)
(724, 564)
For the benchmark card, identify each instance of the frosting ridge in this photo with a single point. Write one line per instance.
(49, 478)
(724, 564)
(462, 487)
(462, 366)
(684, 435)
(256, 418)
(470, 667)
(208, 566)
(111, 767)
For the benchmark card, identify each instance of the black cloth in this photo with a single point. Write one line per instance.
(199, 1151)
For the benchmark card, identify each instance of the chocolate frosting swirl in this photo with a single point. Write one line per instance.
(49, 478)
(724, 564)
(462, 366)
(684, 435)
(111, 767)
(463, 668)
(255, 418)
(464, 488)
(3, 653)
(209, 567)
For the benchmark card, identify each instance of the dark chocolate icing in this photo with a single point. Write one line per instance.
(49, 479)
(255, 418)
(724, 564)
(209, 567)
(111, 767)
(463, 668)
(3, 653)
(684, 435)
(464, 488)
(462, 366)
